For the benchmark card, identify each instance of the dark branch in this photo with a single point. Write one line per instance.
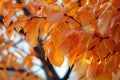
(71, 17)
(47, 66)
(79, 3)
(12, 69)
(118, 9)
(26, 11)
(33, 17)
(19, 1)
(67, 74)
(1, 19)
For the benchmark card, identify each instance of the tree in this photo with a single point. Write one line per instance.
(85, 31)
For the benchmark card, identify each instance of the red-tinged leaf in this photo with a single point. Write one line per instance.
(32, 35)
(11, 11)
(70, 41)
(55, 17)
(56, 56)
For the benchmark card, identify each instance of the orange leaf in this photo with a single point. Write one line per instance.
(19, 24)
(1, 4)
(104, 20)
(1, 38)
(11, 11)
(104, 76)
(51, 1)
(72, 55)
(81, 67)
(113, 62)
(28, 25)
(70, 41)
(10, 29)
(0, 26)
(32, 34)
(56, 56)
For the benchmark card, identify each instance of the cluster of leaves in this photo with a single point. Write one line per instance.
(4, 75)
(86, 31)
(9, 61)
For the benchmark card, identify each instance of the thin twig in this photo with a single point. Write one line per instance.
(71, 17)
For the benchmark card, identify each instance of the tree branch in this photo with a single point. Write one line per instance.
(67, 74)
(71, 17)
(47, 66)
(12, 69)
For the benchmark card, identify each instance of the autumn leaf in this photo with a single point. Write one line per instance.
(55, 17)
(85, 31)
(114, 59)
(10, 29)
(73, 54)
(32, 35)
(81, 67)
(51, 1)
(1, 4)
(56, 56)
(104, 20)
(104, 76)
(71, 40)
(31, 31)
(1, 38)
(28, 61)
(11, 11)
(20, 23)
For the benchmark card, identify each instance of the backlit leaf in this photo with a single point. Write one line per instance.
(32, 35)
(56, 56)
